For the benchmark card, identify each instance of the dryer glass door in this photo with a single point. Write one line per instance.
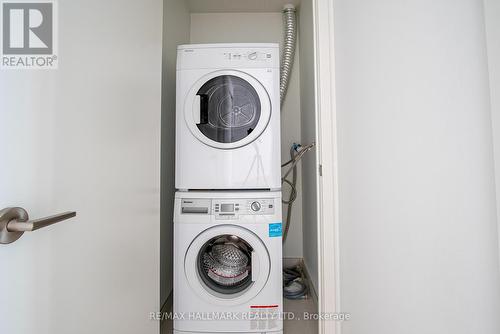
(229, 109)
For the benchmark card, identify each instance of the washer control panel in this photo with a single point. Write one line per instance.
(228, 208)
(231, 207)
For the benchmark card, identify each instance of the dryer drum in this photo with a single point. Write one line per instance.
(229, 109)
(224, 264)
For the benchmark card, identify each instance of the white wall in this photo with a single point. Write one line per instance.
(418, 237)
(175, 31)
(261, 27)
(492, 18)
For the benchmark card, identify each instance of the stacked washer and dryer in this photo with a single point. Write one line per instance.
(227, 221)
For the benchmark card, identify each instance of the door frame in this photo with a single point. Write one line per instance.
(327, 184)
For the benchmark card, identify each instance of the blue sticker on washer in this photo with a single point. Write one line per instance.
(275, 230)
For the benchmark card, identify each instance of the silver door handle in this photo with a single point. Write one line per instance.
(32, 225)
(14, 222)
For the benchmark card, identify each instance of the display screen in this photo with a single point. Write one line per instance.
(226, 207)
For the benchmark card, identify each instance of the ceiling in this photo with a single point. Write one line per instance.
(221, 6)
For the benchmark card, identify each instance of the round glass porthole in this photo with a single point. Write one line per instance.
(224, 264)
(230, 109)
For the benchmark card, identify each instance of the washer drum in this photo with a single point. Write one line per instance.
(226, 264)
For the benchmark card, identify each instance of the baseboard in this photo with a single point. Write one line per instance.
(312, 288)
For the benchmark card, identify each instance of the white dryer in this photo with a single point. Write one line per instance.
(227, 262)
(228, 117)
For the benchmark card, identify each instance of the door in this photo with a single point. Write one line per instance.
(85, 137)
(227, 264)
(227, 109)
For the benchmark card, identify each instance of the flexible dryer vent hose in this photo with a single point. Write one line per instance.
(288, 53)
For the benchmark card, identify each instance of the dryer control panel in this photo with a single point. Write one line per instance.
(228, 56)
(251, 55)
(228, 208)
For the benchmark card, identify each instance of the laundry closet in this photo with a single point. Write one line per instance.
(243, 21)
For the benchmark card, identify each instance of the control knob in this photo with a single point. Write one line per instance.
(252, 56)
(255, 206)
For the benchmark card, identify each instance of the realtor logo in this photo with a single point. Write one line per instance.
(28, 34)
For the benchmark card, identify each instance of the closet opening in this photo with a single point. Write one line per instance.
(242, 21)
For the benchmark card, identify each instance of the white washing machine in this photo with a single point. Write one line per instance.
(227, 262)
(228, 117)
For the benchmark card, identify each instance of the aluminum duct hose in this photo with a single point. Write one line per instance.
(288, 53)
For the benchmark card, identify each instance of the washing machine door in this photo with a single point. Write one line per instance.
(227, 265)
(227, 109)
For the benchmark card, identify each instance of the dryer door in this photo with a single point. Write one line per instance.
(227, 109)
(227, 264)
